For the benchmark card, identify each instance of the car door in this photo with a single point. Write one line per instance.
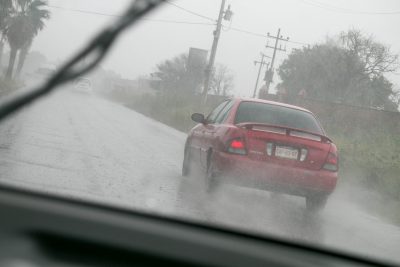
(207, 132)
(195, 143)
(211, 130)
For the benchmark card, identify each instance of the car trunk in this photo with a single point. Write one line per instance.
(286, 146)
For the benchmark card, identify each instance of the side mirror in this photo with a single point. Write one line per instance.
(198, 117)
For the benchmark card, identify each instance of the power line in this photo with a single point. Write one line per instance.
(351, 11)
(179, 22)
(295, 42)
(247, 32)
(345, 10)
(189, 11)
(146, 19)
(205, 17)
(261, 35)
(85, 11)
(174, 21)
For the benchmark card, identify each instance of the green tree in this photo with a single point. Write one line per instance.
(23, 27)
(324, 71)
(176, 77)
(343, 70)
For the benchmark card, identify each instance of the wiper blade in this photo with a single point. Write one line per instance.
(95, 50)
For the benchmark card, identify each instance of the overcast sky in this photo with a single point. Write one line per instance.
(150, 42)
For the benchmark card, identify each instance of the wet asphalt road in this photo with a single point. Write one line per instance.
(83, 146)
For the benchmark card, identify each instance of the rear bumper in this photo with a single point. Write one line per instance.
(243, 171)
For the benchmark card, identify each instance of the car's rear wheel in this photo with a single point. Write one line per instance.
(316, 203)
(210, 176)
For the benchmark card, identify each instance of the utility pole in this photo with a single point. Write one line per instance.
(270, 73)
(228, 14)
(262, 63)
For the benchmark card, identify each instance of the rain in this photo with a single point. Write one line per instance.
(117, 135)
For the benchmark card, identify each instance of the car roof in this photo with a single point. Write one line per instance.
(256, 100)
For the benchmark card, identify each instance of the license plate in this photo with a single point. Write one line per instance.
(286, 152)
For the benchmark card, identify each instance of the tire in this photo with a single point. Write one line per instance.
(316, 203)
(186, 162)
(210, 175)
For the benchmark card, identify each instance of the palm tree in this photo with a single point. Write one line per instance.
(36, 15)
(6, 8)
(18, 35)
(23, 28)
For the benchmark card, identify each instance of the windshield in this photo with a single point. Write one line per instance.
(277, 115)
(122, 134)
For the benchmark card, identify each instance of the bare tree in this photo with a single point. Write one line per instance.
(222, 80)
(376, 58)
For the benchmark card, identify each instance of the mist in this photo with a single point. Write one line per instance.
(150, 42)
(119, 135)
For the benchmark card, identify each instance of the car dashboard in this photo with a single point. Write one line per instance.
(42, 230)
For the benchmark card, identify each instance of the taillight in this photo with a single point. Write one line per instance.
(331, 163)
(237, 146)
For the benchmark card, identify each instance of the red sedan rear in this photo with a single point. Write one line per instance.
(265, 145)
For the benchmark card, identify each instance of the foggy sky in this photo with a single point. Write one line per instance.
(149, 42)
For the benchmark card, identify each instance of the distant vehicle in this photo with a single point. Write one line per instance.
(265, 145)
(83, 85)
(45, 71)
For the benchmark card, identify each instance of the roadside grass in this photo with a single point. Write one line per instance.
(371, 160)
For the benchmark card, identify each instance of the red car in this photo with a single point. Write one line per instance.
(264, 145)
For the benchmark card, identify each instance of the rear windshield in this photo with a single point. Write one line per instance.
(277, 115)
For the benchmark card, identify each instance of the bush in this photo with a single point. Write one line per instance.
(174, 111)
(8, 86)
(376, 155)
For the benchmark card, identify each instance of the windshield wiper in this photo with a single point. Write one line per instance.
(95, 50)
